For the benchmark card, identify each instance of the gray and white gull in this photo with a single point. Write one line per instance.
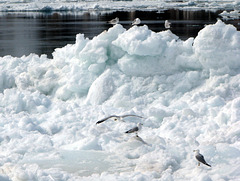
(200, 158)
(114, 21)
(136, 21)
(135, 129)
(167, 24)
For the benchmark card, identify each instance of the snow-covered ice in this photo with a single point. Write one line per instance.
(100, 5)
(187, 91)
(235, 14)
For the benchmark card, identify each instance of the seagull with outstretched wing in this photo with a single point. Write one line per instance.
(118, 118)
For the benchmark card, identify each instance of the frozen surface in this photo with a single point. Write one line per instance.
(187, 91)
(235, 14)
(79, 5)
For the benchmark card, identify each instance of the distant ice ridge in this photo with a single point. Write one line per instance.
(76, 5)
(188, 91)
(231, 14)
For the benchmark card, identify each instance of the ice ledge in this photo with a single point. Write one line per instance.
(61, 5)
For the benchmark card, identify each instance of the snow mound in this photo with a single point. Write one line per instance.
(186, 91)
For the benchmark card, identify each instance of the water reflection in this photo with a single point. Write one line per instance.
(40, 33)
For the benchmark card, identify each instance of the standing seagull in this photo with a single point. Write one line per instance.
(114, 21)
(118, 118)
(137, 21)
(135, 129)
(167, 24)
(200, 158)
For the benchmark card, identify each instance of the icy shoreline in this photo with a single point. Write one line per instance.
(48, 6)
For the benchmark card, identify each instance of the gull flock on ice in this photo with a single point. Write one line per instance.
(181, 95)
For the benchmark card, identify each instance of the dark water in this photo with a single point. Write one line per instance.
(40, 33)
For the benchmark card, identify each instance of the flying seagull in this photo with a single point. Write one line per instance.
(167, 24)
(117, 118)
(135, 129)
(114, 21)
(136, 21)
(200, 158)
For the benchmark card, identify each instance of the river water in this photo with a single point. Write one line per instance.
(40, 33)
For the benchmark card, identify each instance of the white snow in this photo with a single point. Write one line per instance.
(235, 14)
(100, 5)
(187, 91)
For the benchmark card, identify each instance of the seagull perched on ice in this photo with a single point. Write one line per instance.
(136, 21)
(135, 129)
(167, 24)
(114, 21)
(117, 118)
(200, 158)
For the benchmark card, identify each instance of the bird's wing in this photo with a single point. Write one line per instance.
(132, 130)
(200, 158)
(102, 120)
(111, 21)
(127, 115)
